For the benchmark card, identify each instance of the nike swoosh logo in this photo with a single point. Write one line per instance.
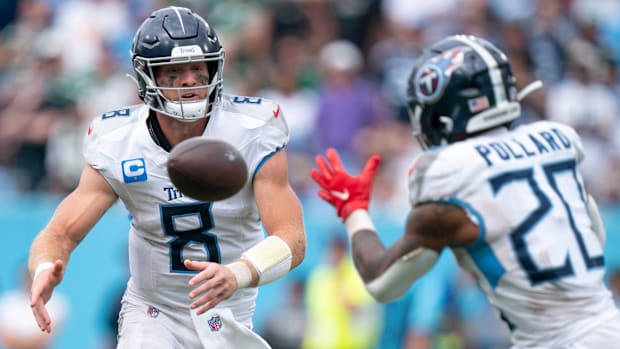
(342, 195)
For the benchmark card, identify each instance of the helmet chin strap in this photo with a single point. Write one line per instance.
(132, 78)
(448, 124)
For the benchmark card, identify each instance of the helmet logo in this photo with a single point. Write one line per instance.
(432, 79)
(181, 51)
(429, 83)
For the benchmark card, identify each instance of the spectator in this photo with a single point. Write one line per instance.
(286, 326)
(340, 312)
(348, 102)
(287, 86)
(583, 101)
(18, 329)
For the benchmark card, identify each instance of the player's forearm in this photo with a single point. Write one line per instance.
(285, 220)
(62, 234)
(372, 259)
(276, 255)
(263, 263)
(387, 273)
(367, 249)
(48, 247)
(73, 219)
(368, 254)
(295, 237)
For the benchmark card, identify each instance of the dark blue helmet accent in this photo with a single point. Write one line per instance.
(460, 86)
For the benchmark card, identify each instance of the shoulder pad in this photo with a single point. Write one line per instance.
(254, 112)
(108, 129)
(439, 175)
(114, 119)
(566, 132)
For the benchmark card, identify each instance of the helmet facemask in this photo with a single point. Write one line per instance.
(154, 95)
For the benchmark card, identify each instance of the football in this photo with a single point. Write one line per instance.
(207, 169)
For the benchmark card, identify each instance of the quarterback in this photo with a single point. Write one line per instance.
(194, 266)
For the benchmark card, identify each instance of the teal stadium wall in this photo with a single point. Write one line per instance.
(98, 266)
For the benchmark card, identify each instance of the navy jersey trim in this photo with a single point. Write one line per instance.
(156, 133)
(480, 251)
(263, 160)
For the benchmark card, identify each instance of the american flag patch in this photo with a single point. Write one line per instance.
(215, 323)
(477, 104)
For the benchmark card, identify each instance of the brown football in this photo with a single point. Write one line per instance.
(207, 169)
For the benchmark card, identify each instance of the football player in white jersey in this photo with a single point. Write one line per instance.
(194, 266)
(509, 202)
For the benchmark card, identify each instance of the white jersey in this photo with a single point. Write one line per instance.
(537, 258)
(167, 227)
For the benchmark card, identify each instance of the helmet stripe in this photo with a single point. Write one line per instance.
(494, 72)
(176, 10)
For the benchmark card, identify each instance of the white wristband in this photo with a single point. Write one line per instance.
(358, 220)
(242, 273)
(272, 259)
(41, 267)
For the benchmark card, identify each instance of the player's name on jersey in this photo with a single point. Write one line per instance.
(523, 146)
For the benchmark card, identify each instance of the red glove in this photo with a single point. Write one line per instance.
(343, 191)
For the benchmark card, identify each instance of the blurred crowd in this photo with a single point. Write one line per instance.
(339, 69)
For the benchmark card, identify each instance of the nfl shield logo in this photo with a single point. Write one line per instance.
(152, 312)
(215, 323)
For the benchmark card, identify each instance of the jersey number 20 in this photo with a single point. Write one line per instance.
(527, 225)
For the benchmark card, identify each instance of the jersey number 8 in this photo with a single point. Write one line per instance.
(198, 235)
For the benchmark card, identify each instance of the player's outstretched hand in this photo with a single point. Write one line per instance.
(41, 292)
(214, 283)
(342, 190)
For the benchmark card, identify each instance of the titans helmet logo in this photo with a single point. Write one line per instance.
(433, 77)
